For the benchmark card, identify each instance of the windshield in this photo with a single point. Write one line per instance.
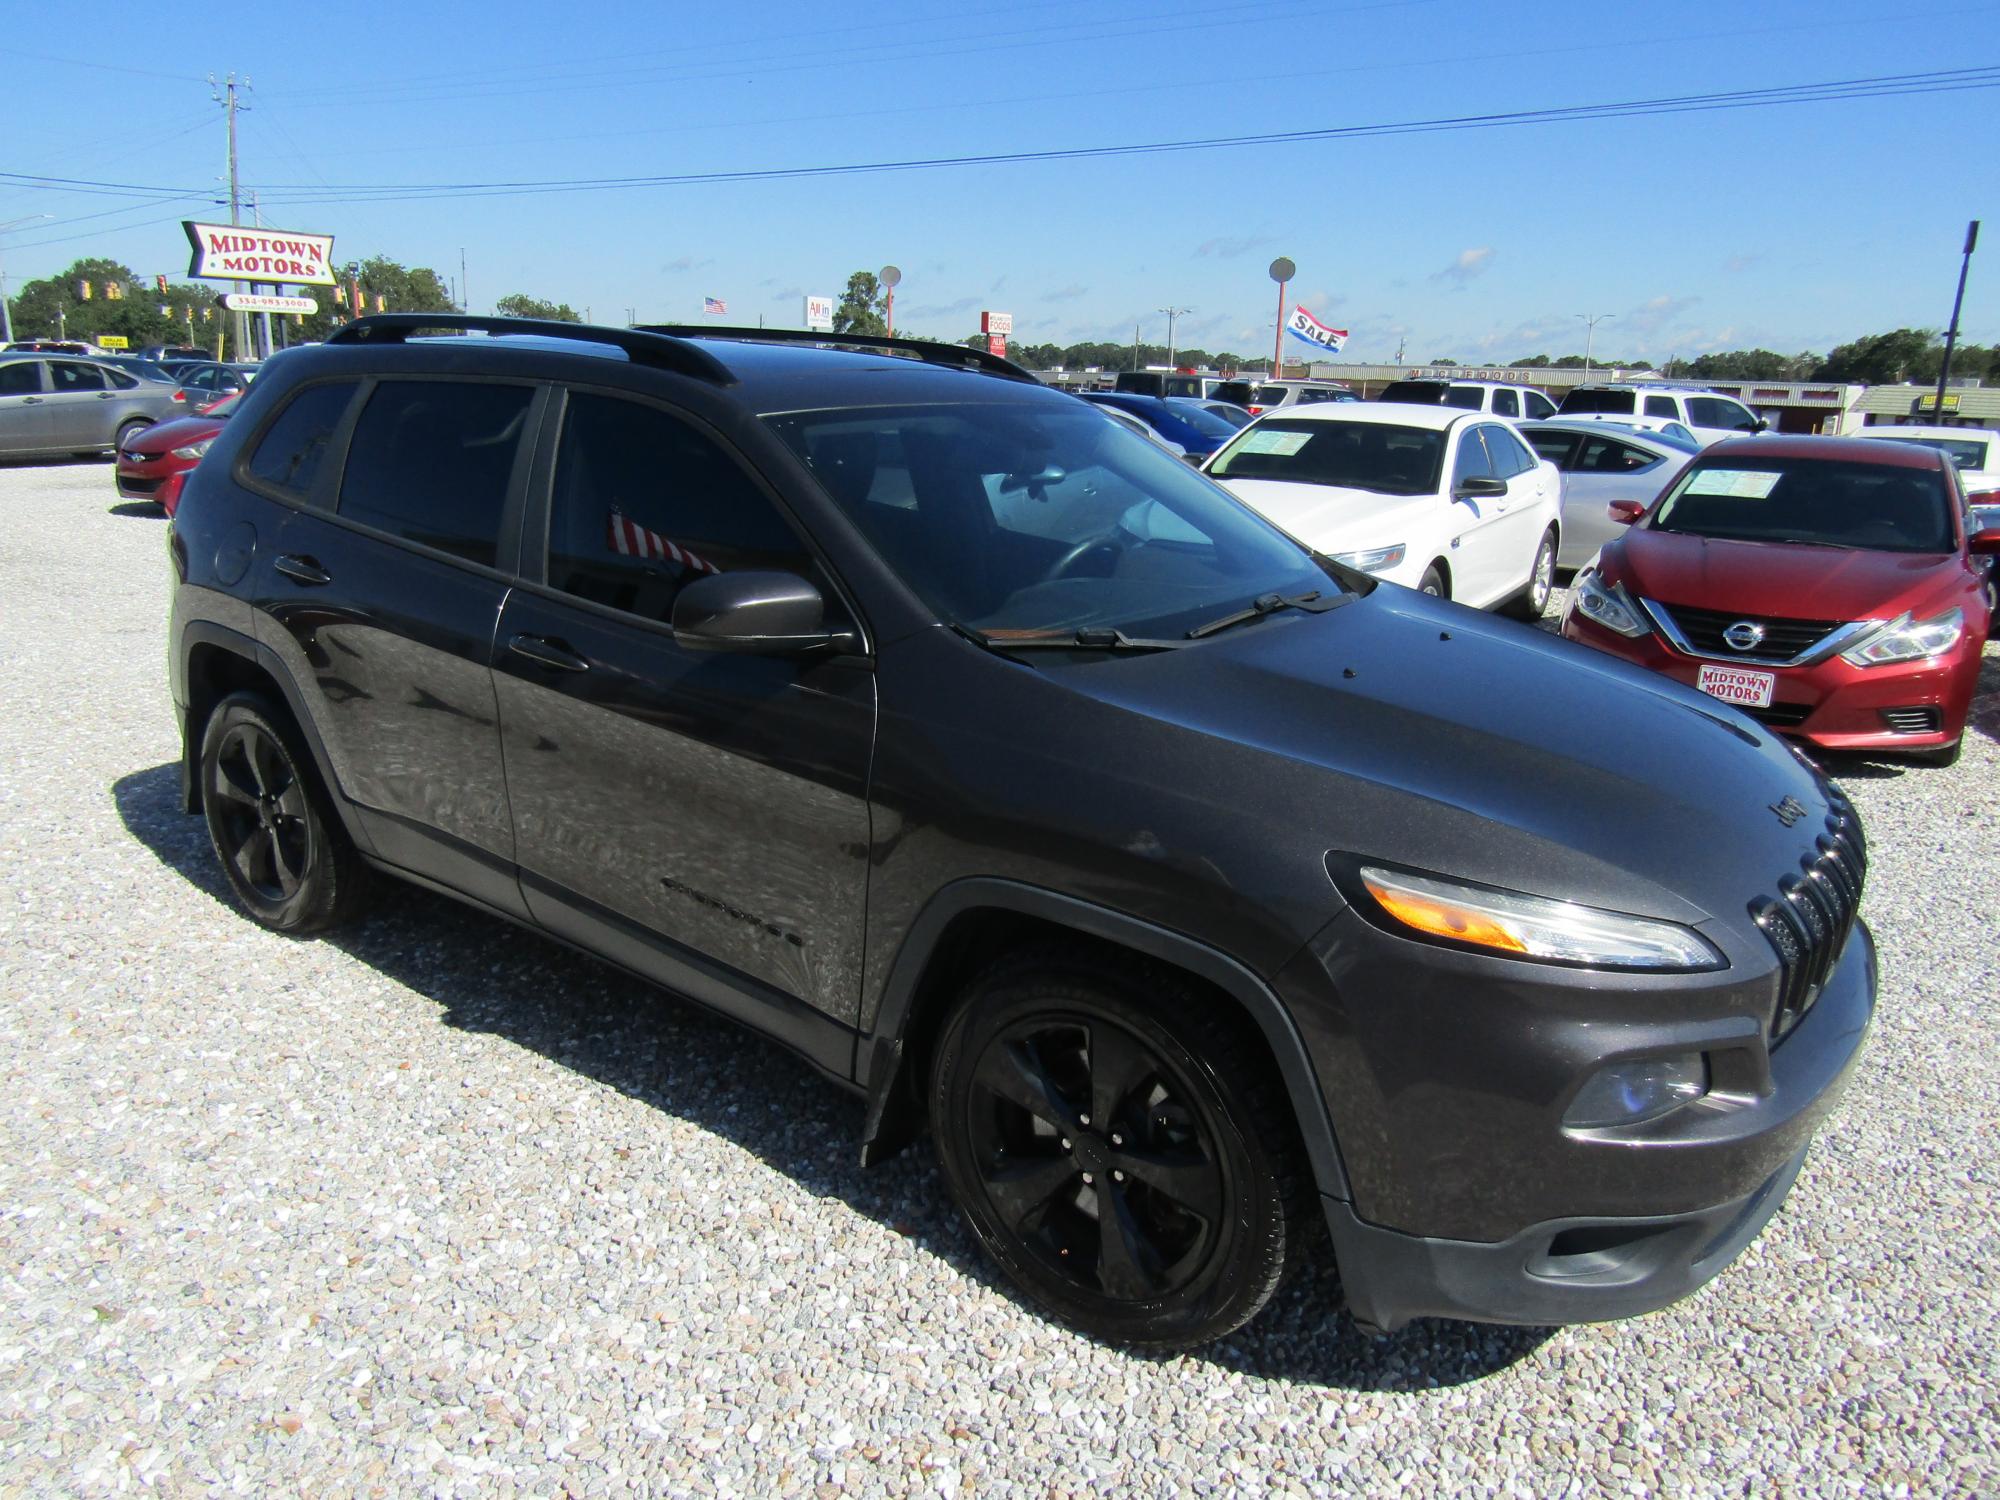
(1044, 517)
(1967, 453)
(1620, 403)
(1353, 455)
(1830, 503)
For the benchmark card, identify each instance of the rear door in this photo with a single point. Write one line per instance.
(1605, 469)
(700, 815)
(79, 400)
(25, 414)
(381, 593)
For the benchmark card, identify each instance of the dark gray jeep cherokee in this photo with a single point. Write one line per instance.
(1190, 889)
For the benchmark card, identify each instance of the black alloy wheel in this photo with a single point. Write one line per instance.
(284, 854)
(1118, 1151)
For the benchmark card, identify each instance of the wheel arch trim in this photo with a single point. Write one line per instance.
(880, 1053)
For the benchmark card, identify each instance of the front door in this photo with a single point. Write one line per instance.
(25, 414)
(700, 815)
(1477, 567)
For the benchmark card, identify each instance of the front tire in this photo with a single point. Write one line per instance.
(1119, 1148)
(1433, 583)
(283, 850)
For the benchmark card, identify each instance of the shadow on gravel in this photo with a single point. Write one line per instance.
(487, 975)
(142, 510)
(56, 461)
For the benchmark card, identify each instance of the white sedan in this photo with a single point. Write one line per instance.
(1451, 502)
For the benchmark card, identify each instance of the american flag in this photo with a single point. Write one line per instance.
(630, 539)
(714, 305)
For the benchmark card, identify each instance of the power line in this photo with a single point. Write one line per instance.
(1881, 87)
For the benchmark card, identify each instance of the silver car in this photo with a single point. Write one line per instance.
(52, 403)
(1602, 462)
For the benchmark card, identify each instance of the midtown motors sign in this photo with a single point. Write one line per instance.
(234, 252)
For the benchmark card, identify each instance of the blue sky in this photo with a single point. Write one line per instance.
(1792, 228)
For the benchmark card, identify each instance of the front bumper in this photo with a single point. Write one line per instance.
(1831, 704)
(157, 480)
(1473, 1200)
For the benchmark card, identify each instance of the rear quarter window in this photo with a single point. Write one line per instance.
(286, 460)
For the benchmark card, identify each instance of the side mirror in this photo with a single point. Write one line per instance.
(1478, 489)
(1625, 512)
(1760, 425)
(1984, 543)
(769, 614)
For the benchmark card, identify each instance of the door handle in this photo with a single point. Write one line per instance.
(549, 653)
(303, 570)
(107, 395)
(31, 400)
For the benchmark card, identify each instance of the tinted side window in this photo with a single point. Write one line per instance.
(288, 455)
(1504, 404)
(430, 461)
(1662, 406)
(1559, 448)
(1510, 456)
(1607, 456)
(120, 379)
(1468, 397)
(1713, 411)
(65, 375)
(644, 505)
(1472, 462)
(1539, 406)
(20, 377)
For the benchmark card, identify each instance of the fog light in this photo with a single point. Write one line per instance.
(1628, 1092)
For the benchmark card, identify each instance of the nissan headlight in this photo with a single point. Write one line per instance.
(1905, 639)
(1608, 605)
(1375, 560)
(1533, 927)
(194, 450)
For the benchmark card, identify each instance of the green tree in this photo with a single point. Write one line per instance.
(1885, 358)
(1532, 362)
(861, 308)
(141, 313)
(386, 286)
(521, 305)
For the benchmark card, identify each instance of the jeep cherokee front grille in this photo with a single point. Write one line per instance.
(1809, 920)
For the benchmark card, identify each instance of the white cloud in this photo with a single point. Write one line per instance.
(1471, 262)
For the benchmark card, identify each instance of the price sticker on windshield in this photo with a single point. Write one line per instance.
(1271, 440)
(1737, 484)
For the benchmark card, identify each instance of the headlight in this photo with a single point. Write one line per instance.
(1609, 605)
(1532, 927)
(1906, 639)
(1377, 560)
(194, 450)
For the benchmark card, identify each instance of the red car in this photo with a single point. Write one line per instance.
(157, 460)
(1828, 587)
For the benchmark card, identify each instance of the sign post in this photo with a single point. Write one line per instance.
(1282, 271)
(889, 278)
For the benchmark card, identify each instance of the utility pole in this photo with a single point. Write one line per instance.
(464, 295)
(1135, 346)
(7, 318)
(224, 93)
(1399, 348)
(1172, 313)
(263, 318)
(1590, 323)
(1951, 333)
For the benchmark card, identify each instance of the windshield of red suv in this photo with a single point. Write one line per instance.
(1039, 517)
(1380, 456)
(1821, 502)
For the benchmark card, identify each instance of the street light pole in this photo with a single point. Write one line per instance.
(1590, 323)
(1951, 333)
(1172, 313)
(7, 318)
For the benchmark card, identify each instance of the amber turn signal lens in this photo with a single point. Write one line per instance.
(1441, 920)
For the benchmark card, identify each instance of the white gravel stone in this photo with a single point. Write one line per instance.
(436, 1208)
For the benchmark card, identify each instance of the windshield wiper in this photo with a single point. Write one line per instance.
(1103, 638)
(1269, 604)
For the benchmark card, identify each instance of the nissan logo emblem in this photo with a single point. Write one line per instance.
(1744, 635)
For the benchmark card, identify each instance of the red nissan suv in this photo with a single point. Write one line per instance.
(1831, 588)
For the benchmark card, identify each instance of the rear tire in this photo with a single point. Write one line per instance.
(283, 850)
(1065, 1089)
(1533, 601)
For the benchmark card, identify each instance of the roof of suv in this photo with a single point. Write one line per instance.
(766, 370)
(1401, 414)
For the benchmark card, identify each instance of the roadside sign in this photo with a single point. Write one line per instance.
(235, 252)
(113, 341)
(819, 312)
(258, 302)
(996, 322)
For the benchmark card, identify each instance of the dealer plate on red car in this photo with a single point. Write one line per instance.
(1738, 685)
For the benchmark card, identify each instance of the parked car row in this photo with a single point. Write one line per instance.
(59, 404)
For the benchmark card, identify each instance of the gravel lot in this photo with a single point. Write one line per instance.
(436, 1207)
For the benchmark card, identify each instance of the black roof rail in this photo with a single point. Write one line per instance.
(641, 346)
(927, 350)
